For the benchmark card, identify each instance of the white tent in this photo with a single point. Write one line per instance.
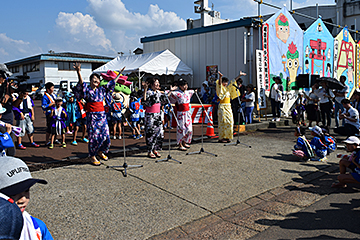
(163, 62)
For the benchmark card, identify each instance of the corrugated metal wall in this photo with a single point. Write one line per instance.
(224, 48)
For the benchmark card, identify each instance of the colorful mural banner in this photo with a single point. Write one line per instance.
(283, 49)
(344, 59)
(318, 50)
(260, 71)
(358, 64)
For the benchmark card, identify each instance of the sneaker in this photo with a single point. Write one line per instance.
(137, 138)
(119, 137)
(69, 132)
(51, 146)
(114, 137)
(273, 120)
(324, 159)
(74, 143)
(20, 146)
(140, 136)
(57, 141)
(85, 140)
(63, 145)
(134, 136)
(278, 119)
(35, 145)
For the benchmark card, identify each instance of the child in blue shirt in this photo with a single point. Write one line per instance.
(318, 144)
(302, 147)
(135, 115)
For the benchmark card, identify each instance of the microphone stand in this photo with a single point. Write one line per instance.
(202, 129)
(125, 166)
(238, 130)
(169, 157)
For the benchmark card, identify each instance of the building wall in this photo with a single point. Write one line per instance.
(224, 48)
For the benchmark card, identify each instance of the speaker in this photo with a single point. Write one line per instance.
(302, 80)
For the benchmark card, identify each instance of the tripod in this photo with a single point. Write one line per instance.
(125, 165)
(239, 111)
(171, 109)
(202, 129)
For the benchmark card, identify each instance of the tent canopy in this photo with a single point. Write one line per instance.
(163, 62)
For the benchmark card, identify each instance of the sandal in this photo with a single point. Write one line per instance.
(103, 156)
(96, 162)
(157, 154)
(338, 185)
(186, 145)
(181, 148)
(151, 155)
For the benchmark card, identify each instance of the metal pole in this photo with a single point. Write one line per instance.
(290, 5)
(245, 48)
(355, 30)
(317, 10)
(251, 53)
(259, 14)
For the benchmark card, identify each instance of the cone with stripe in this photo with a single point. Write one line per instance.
(210, 128)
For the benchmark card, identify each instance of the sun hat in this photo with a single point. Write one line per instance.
(11, 219)
(316, 129)
(15, 176)
(352, 140)
(3, 68)
(58, 99)
(2, 109)
(206, 83)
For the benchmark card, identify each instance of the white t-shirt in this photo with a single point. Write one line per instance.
(344, 90)
(353, 113)
(273, 91)
(250, 96)
(321, 92)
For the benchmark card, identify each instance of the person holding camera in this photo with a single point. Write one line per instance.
(6, 102)
(23, 108)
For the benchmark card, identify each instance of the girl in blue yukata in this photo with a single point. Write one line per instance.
(97, 125)
(302, 148)
(318, 144)
(59, 116)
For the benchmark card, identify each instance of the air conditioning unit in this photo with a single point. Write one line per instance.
(214, 14)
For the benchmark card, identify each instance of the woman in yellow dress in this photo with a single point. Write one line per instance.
(225, 115)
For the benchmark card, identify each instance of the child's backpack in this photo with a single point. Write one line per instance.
(116, 113)
(330, 141)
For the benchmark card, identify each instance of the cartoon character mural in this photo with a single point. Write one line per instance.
(320, 47)
(283, 54)
(344, 59)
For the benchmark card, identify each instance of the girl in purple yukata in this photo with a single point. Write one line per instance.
(154, 131)
(181, 99)
(97, 126)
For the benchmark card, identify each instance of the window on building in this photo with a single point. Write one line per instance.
(31, 67)
(14, 69)
(66, 66)
(96, 65)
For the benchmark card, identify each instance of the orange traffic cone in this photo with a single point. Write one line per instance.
(210, 127)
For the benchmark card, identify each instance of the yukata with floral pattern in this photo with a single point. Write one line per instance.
(225, 115)
(180, 99)
(154, 131)
(97, 125)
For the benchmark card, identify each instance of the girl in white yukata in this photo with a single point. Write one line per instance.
(181, 98)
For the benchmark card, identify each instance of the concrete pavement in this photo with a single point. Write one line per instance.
(236, 195)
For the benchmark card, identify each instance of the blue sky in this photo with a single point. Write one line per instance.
(103, 27)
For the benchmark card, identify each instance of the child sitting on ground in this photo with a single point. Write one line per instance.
(58, 116)
(16, 184)
(318, 144)
(330, 141)
(302, 147)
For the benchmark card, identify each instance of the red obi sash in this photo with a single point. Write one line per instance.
(183, 107)
(154, 108)
(94, 107)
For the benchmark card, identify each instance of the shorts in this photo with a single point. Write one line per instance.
(80, 122)
(134, 124)
(48, 123)
(116, 120)
(26, 125)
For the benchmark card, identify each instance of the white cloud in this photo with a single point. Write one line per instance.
(114, 15)
(14, 49)
(82, 30)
